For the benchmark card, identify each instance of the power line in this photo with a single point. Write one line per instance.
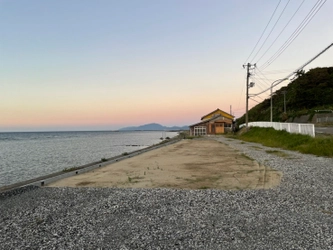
(322, 52)
(258, 97)
(254, 100)
(292, 17)
(240, 96)
(256, 81)
(264, 79)
(271, 31)
(298, 69)
(263, 32)
(267, 81)
(295, 34)
(274, 72)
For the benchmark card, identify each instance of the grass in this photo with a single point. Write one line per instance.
(134, 179)
(69, 169)
(320, 146)
(84, 183)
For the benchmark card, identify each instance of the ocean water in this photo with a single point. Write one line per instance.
(27, 155)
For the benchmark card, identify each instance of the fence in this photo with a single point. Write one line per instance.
(298, 128)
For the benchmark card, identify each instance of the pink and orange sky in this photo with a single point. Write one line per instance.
(103, 65)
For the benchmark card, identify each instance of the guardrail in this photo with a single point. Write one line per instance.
(297, 128)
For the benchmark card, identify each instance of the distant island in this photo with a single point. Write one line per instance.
(153, 127)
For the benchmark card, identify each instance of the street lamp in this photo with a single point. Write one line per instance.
(281, 80)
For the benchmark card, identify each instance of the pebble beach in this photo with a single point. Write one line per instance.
(297, 214)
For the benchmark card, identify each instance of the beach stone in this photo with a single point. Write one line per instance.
(297, 214)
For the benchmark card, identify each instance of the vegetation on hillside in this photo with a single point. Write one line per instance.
(321, 146)
(308, 92)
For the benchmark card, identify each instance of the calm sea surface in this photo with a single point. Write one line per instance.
(24, 156)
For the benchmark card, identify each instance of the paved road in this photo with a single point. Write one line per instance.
(324, 130)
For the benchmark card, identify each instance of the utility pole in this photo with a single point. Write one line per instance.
(248, 66)
(279, 80)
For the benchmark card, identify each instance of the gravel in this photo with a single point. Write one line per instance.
(298, 214)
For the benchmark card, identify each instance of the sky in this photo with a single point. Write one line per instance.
(108, 64)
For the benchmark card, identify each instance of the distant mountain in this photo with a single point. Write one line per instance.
(153, 127)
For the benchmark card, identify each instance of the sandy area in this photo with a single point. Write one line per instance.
(188, 164)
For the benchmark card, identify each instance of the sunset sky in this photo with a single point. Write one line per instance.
(107, 64)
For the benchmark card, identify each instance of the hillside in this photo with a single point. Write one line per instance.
(310, 91)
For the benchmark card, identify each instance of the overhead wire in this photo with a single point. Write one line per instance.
(296, 33)
(271, 31)
(254, 100)
(263, 32)
(240, 96)
(259, 72)
(292, 17)
(258, 85)
(258, 97)
(264, 79)
(315, 9)
(274, 72)
(298, 69)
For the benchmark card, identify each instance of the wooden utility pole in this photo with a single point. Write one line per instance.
(248, 74)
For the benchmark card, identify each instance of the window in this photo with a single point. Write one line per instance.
(200, 130)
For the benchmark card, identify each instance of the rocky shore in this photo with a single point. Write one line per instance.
(298, 214)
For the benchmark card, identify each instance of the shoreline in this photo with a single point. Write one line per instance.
(45, 179)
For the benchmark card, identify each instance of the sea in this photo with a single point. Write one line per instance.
(27, 155)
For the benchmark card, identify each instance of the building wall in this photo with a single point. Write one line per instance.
(215, 128)
(219, 130)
